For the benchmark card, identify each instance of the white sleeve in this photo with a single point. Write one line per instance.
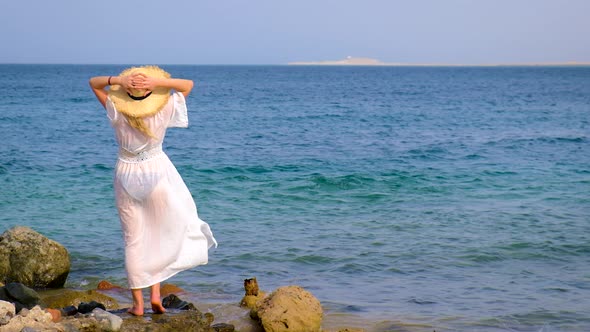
(111, 111)
(180, 113)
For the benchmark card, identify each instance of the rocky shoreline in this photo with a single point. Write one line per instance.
(33, 271)
(73, 310)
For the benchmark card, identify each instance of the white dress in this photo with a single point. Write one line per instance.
(162, 231)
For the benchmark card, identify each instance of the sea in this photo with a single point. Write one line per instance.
(403, 198)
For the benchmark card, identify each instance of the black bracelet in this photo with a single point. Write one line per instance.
(109, 81)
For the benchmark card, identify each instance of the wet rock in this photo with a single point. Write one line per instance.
(32, 259)
(68, 297)
(3, 294)
(22, 294)
(19, 306)
(7, 311)
(107, 321)
(69, 311)
(223, 327)
(251, 286)
(105, 285)
(189, 320)
(253, 294)
(290, 308)
(173, 302)
(209, 318)
(86, 307)
(167, 289)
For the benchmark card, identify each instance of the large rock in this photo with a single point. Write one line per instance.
(64, 298)
(22, 294)
(173, 320)
(253, 294)
(174, 302)
(32, 259)
(19, 294)
(290, 308)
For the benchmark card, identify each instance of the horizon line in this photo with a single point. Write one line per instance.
(322, 64)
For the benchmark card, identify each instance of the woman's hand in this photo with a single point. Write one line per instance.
(136, 81)
(125, 82)
(143, 82)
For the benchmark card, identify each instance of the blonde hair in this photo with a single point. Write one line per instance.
(139, 124)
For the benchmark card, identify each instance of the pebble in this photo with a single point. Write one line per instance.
(223, 327)
(107, 320)
(173, 302)
(69, 311)
(86, 307)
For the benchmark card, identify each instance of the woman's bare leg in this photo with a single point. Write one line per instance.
(155, 299)
(137, 308)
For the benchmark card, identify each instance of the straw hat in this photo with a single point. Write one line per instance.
(135, 104)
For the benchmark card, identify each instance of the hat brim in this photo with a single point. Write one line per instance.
(144, 107)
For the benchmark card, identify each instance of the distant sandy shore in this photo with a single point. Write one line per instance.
(352, 61)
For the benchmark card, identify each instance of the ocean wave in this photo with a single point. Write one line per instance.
(79, 100)
(483, 257)
(293, 197)
(431, 153)
(103, 167)
(526, 251)
(371, 196)
(499, 173)
(420, 301)
(252, 169)
(352, 268)
(474, 156)
(540, 139)
(341, 307)
(313, 259)
(344, 182)
(539, 320)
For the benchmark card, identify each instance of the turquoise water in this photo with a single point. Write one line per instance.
(457, 198)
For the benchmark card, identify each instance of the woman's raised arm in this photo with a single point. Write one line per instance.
(149, 83)
(99, 83)
(137, 81)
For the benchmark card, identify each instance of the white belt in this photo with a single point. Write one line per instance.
(145, 155)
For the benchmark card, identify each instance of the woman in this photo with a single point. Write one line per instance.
(162, 230)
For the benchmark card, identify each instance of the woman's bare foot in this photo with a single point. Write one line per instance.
(135, 311)
(137, 308)
(155, 299)
(158, 308)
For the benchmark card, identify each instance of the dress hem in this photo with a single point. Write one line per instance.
(164, 278)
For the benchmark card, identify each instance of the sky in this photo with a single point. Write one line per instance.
(282, 31)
